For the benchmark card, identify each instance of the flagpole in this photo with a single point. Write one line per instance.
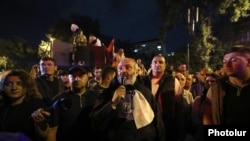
(74, 50)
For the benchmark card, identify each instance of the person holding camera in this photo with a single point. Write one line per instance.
(70, 109)
(127, 110)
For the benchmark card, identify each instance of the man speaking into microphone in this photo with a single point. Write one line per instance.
(129, 110)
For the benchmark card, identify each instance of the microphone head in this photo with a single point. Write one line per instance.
(123, 79)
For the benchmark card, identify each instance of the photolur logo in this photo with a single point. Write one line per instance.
(226, 133)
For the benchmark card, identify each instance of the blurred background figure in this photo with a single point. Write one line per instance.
(185, 93)
(187, 106)
(96, 79)
(182, 68)
(189, 82)
(107, 75)
(170, 69)
(141, 66)
(198, 86)
(118, 57)
(35, 72)
(220, 72)
(64, 76)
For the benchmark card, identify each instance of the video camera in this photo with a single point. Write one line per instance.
(62, 104)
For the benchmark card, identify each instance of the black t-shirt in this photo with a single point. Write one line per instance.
(49, 89)
(18, 118)
(73, 121)
(236, 105)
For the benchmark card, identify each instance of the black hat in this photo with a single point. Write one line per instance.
(77, 69)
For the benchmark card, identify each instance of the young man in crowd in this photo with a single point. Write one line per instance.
(229, 96)
(48, 84)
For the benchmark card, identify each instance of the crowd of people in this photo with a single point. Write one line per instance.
(124, 101)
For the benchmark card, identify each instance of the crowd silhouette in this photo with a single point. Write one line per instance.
(124, 100)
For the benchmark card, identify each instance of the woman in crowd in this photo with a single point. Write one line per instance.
(20, 97)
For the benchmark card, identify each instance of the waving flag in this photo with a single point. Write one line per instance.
(110, 51)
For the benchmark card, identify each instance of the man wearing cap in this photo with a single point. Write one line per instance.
(70, 109)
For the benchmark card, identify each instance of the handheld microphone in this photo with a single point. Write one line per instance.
(129, 87)
(123, 80)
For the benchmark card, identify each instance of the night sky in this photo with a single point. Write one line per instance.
(134, 20)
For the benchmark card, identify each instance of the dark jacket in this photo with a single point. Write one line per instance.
(173, 109)
(17, 119)
(71, 115)
(48, 91)
(230, 104)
